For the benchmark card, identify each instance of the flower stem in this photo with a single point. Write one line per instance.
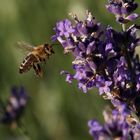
(124, 27)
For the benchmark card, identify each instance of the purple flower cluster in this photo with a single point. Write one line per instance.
(122, 9)
(104, 59)
(119, 125)
(83, 41)
(15, 106)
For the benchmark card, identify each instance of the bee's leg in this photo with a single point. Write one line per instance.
(35, 69)
(39, 70)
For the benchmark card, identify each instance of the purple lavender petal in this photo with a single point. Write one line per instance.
(114, 9)
(132, 17)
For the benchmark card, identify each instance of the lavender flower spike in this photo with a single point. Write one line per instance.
(106, 58)
(119, 124)
(15, 106)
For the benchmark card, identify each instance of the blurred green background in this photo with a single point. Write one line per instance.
(56, 110)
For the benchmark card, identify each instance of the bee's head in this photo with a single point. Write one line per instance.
(48, 48)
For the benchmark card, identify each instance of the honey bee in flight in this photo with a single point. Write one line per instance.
(36, 55)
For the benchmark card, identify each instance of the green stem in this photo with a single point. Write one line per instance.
(124, 27)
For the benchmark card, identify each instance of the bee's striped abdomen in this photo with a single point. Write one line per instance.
(27, 63)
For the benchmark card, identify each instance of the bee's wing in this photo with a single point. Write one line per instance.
(25, 46)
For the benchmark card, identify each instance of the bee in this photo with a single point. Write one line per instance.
(36, 55)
